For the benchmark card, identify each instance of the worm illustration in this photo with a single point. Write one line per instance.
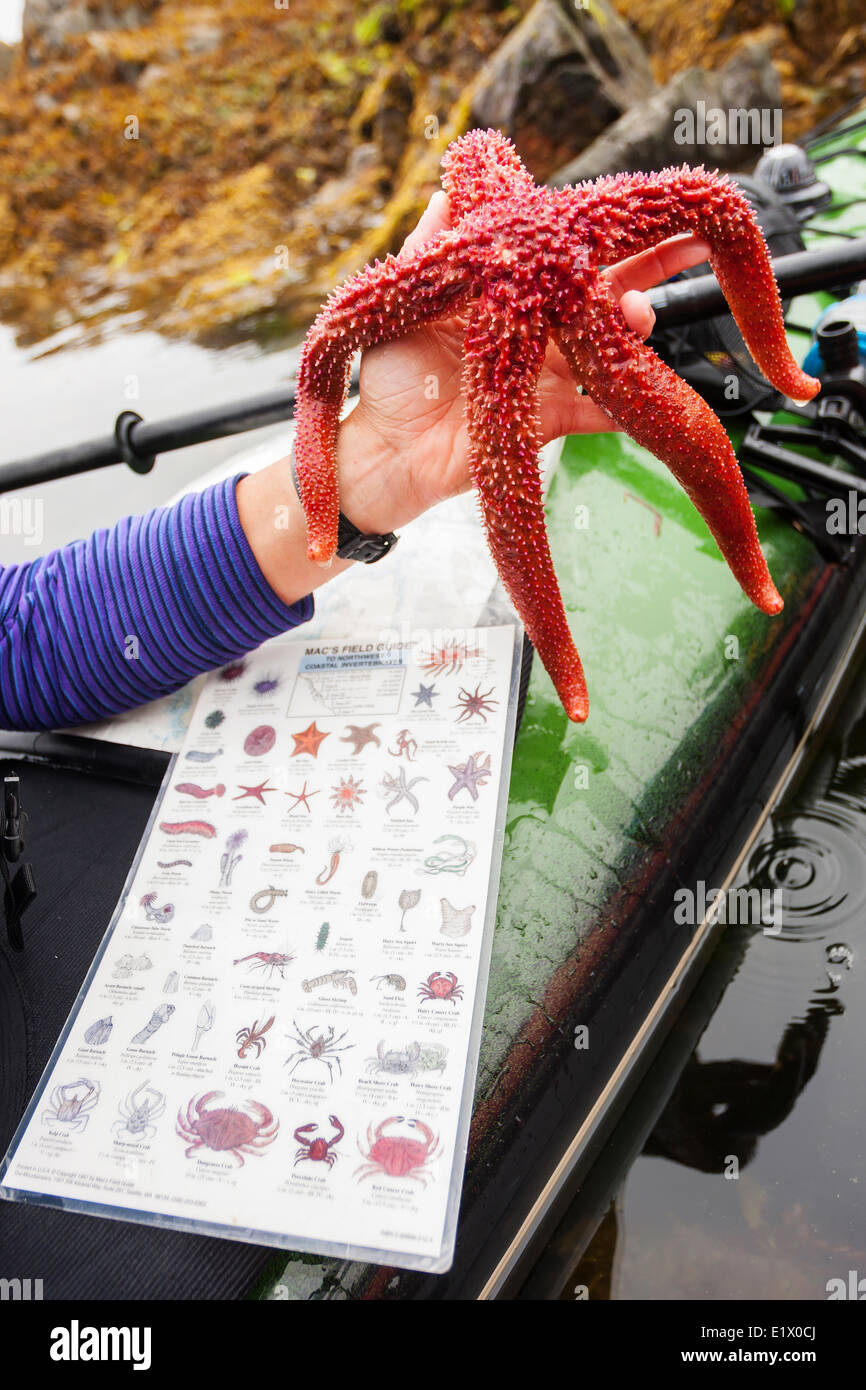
(200, 793)
(286, 849)
(188, 827)
(153, 913)
(197, 755)
(173, 863)
(264, 900)
(336, 847)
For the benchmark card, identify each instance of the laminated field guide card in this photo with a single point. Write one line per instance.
(278, 1039)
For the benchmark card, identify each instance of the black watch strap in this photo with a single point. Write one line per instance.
(353, 544)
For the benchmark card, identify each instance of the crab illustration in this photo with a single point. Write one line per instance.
(438, 986)
(70, 1105)
(253, 1038)
(398, 1155)
(318, 1150)
(138, 1112)
(400, 1061)
(432, 1057)
(322, 1048)
(226, 1129)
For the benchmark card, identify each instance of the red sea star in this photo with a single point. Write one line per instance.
(302, 798)
(308, 740)
(522, 263)
(259, 792)
(473, 704)
(348, 794)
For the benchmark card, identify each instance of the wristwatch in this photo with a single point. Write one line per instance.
(353, 544)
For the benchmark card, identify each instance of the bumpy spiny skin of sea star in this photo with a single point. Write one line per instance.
(522, 264)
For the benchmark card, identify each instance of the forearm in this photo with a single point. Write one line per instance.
(133, 613)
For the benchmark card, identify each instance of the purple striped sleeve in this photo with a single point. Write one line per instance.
(133, 613)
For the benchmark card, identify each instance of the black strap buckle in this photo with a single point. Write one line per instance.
(20, 885)
(352, 544)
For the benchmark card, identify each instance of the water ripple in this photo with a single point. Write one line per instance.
(816, 863)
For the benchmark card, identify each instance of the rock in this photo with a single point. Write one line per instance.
(7, 58)
(568, 70)
(152, 75)
(681, 122)
(342, 205)
(383, 115)
(7, 227)
(202, 37)
(47, 24)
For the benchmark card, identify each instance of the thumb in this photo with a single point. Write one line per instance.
(435, 218)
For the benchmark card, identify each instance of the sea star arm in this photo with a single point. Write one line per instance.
(383, 301)
(661, 411)
(633, 212)
(503, 358)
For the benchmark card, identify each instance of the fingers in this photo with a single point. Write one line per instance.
(630, 278)
(638, 312)
(659, 263)
(436, 217)
(585, 417)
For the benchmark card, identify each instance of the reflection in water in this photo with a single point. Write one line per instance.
(776, 1084)
(719, 1110)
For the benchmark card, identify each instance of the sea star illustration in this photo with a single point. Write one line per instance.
(447, 658)
(309, 740)
(474, 705)
(348, 794)
(259, 792)
(401, 790)
(301, 798)
(522, 264)
(425, 695)
(360, 735)
(405, 744)
(468, 775)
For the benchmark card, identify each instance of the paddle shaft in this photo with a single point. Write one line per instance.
(137, 443)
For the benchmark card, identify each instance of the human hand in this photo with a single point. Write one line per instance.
(405, 446)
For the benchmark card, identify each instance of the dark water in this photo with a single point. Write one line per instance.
(748, 1178)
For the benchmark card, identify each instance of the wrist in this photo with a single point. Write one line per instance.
(374, 480)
